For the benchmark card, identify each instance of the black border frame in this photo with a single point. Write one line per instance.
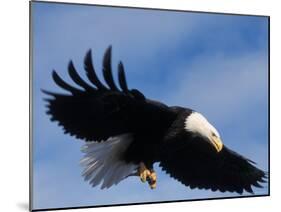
(138, 203)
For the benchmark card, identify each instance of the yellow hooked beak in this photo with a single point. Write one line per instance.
(217, 143)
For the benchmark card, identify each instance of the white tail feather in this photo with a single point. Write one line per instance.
(103, 161)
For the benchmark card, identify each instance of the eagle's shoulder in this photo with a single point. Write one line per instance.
(177, 127)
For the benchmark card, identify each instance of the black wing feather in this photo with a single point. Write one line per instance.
(61, 83)
(199, 166)
(76, 78)
(99, 113)
(122, 78)
(87, 116)
(107, 72)
(90, 71)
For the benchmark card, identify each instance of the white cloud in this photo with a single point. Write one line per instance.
(143, 32)
(222, 86)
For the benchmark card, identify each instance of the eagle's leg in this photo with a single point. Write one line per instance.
(144, 172)
(148, 175)
(152, 179)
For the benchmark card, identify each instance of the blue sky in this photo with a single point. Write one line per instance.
(215, 64)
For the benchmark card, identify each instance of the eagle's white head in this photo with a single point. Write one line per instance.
(198, 124)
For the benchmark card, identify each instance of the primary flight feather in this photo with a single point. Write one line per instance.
(126, 133)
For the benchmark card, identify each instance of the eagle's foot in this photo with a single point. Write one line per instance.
(147, 175)
(144, 173)
(152, 179)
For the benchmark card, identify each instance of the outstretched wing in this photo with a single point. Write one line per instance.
(199, 166)
(96, 111)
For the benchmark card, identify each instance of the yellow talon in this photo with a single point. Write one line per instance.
(153, 186)
(143, 172)
(147, 175)
(152, 180)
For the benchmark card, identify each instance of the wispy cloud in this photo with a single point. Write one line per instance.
(229, 84)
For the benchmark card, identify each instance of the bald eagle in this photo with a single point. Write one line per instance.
(126, 133)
